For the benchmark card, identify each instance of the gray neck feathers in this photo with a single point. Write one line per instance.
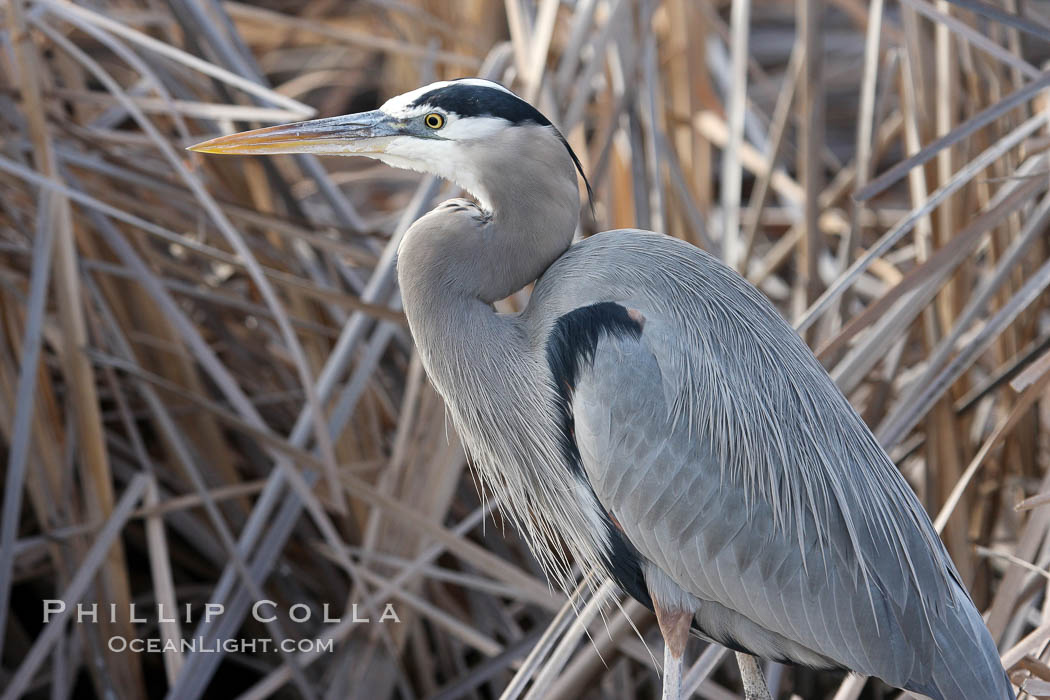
(452, 264)
(458, 259)
(526, 184)
(536, 202)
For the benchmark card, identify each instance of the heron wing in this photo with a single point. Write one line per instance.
(772, 505)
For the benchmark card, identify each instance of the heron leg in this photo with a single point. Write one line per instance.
(674, 626)
(672, 675)
(755, 687)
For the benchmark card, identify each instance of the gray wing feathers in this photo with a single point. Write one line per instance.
(748, 492)
(756, 586)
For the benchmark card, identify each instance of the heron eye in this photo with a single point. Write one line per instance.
(434, 120)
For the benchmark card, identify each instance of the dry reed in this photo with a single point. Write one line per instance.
(207, 389)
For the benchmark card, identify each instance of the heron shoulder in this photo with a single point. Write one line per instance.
(735, 375)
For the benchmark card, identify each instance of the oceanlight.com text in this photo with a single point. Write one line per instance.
(263, 645)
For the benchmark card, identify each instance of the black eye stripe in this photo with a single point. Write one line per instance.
(468, 100)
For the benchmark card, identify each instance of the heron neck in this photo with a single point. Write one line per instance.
(456, 261)
(533, 204)
(452, 265)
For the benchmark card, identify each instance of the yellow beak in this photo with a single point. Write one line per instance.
(363, 134)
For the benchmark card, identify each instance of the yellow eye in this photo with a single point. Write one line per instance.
(434, 120)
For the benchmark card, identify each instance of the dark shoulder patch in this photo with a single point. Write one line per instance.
(571, 343)
(625, 566)
(469, 100)
(575, 336)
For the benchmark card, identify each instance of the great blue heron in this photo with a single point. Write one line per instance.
(650, 412)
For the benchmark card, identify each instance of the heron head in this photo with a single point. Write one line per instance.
(467, 131)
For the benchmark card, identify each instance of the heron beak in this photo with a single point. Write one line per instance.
(361, 134)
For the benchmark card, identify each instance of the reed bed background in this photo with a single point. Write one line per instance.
(208, 393)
